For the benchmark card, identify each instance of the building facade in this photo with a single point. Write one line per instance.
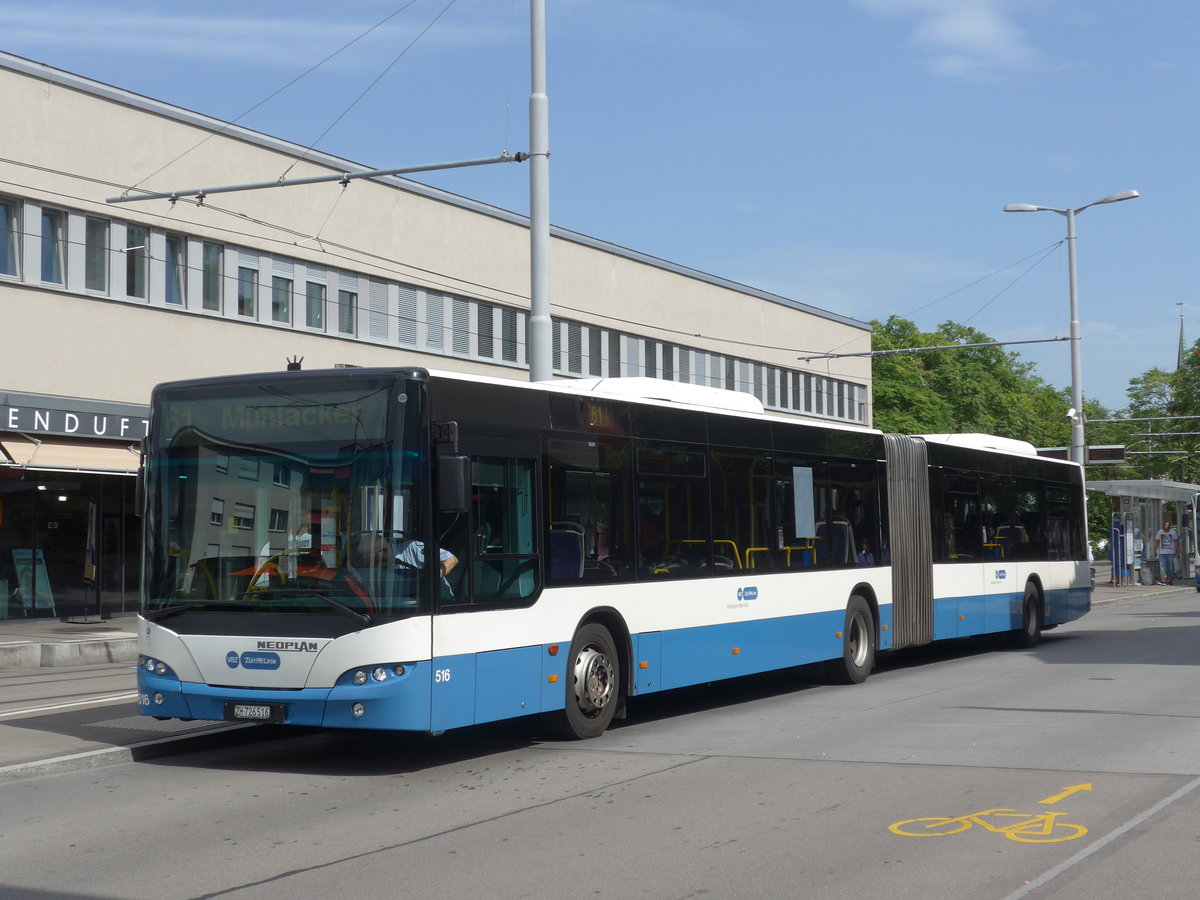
(103, 300)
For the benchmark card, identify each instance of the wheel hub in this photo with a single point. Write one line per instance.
(595, 678)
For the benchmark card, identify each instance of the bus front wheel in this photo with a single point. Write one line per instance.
(593, 685)
(858, 642)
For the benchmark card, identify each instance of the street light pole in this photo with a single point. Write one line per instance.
(1076, 413)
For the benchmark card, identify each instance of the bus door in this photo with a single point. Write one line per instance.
(494, 548)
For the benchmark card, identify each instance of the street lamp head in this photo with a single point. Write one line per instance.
(1022, 207)
(1118, 197)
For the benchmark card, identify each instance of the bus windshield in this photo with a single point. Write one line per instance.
(269, 497)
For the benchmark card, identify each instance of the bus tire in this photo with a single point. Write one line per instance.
(858, 643)
(1030, 631)
(593, 685)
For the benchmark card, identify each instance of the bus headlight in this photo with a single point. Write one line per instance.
(379, 673)
(360, 677)
(359, 710)
(154, 666)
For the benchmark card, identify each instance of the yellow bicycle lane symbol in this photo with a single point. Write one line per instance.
(1028, 828)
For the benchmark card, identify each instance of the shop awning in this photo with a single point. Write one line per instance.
(62, 455)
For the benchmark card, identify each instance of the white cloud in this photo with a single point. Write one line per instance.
(248, 34)
(964, 38)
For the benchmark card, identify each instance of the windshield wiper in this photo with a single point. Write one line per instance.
(355, 616)
(157, 615)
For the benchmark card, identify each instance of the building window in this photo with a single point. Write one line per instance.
(347, 303)
(248, 468)
(222, 463)
(460, 327)
(574, 348)
(281, 299)
(176, 288)
(315, 306)
(278, 520)
(595, 350)
(508, 335)
(95, 255)
(8, 237)
(53, 245)
(136, 257)
(434, 321)
(211, 277)
(281, 475)
(243, 516)
(614, 354)
(247, 291)
(485, 313)
(407, 313)
(650, 364)
(217, 516)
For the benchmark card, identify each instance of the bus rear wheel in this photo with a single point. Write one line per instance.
(1030, 632)
(858, 642)
(593, 685)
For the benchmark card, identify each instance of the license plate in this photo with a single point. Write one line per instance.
(253, 712)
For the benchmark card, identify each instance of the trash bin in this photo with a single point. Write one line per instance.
(1150, 571)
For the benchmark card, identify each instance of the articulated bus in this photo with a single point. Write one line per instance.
(401, 549)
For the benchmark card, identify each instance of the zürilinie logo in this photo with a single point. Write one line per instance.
(290, 646)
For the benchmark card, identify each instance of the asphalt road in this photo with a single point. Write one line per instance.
(1068, 771)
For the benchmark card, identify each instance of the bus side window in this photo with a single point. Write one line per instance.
(744, 533)
(499, 548)
(588, 495)
(803, 502)
(674, 532)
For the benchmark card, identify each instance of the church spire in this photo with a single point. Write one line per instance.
(1182, 343)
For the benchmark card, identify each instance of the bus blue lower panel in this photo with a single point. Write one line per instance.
(696, 655)
(1067, 605)
(995, 613)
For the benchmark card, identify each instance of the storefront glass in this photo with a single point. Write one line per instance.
(68, 545)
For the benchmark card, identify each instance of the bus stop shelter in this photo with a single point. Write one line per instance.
(1139, 507)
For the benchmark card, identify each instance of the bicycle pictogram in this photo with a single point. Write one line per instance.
(1028, 828)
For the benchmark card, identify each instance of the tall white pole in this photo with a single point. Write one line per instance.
(1077, 447)
(1078, 451)
(540, 336)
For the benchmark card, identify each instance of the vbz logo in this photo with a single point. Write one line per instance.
(1001, 574)
(747, 593)
(232, 659)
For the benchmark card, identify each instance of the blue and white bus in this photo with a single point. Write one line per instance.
(401, 549)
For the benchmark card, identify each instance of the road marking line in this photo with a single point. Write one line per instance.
(1083, 854)
(1067, 792)
(112, 698)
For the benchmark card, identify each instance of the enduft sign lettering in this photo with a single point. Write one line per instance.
(76, 424)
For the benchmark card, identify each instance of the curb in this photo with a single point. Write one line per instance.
(140, 752)
(37, 654)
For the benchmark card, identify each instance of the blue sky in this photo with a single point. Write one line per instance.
(852, 154)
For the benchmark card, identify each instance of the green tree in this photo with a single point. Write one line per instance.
(984, 389)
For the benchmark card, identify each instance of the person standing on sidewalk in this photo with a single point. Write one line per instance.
(1164, 544)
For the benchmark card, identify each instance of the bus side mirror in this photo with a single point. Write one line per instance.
(454, 483)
